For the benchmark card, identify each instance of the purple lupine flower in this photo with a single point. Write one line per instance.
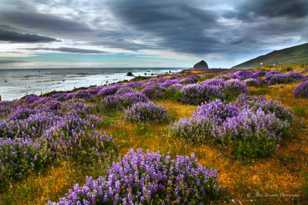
(47, 103)
(295, 75)
(243, 74)
(254, 124)
(135, 84)
(258, 74)
(21, 113)
(301, 90)
(235, 86)
(5, 108)
(30, 99)
(168, 83)
(124, 100)
(175, 87)
(268, 106)
(193, 94)
(283, 78)
(21, 156)
(189, 80)
(108, 90)
(143, 112)
(83, 94)
(148, 178)
(216, 111)
(214, 82)
(271, 73)
(124, 90)
(253, 81)
(154, 91)
(75, 106)
(60, 96)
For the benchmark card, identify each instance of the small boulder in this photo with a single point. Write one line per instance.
(129, 74)
(201, 65)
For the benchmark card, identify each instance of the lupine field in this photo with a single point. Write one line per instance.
(194, 137)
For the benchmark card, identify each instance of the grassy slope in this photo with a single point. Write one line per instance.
(283, 173)
(292, 55)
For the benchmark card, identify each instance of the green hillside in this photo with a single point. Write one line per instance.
(293, 55)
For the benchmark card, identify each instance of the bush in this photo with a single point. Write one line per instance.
(73, 138)
(193, 94)
(243, 74)
(257, 146)
(146, 112)
(302, 90)
(168, 83)
(233, 88)
(69, 125)
(253, 81)
(254, 134)
(283, 78)
(174, 92)
(148, 178)
(108, 90)
(19, 157)
(43, 130)
(21, 113)
(47, 104)
(192, 130)
(32, 127)
(76, 106)
(124, 100)
(83, 94)
(216, 111)
(124, 90)
(212, 89)
(258, 73)
(268, 106)
(189, 80)
(5, 108)
(35, 125)
(214, 82)
(154, 91)
(86, 148)
(258, 127)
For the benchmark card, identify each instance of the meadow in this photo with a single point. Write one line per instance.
(194, 137)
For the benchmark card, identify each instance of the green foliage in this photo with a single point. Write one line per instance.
(254, 147)
(142, 129)
(90, 149)
(173, 94)
(20, 159)
(300, 111)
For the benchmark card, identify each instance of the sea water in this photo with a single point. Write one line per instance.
(15, 83)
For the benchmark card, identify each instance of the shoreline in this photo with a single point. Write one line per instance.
(54, 82)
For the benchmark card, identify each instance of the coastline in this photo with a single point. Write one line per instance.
(15, 84)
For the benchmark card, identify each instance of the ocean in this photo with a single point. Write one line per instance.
(16, 83)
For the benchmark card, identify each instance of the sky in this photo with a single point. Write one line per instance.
(146, 33)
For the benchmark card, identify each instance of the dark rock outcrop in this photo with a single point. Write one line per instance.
(129, 74)
(201, 65)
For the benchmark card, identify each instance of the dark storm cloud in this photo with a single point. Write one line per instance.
(181, 26)
(42, 22)
(70, 50)
(275, 8)
(15, 37)
(228, 28)
(269, 23)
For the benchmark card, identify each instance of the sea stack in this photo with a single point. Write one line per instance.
(201, 65)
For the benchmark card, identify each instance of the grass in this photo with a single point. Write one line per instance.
(281, 178)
